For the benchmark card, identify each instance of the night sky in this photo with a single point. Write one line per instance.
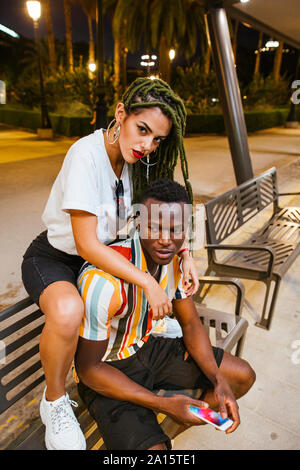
(14, 15)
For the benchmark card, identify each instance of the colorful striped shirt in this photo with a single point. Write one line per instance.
(118, 310)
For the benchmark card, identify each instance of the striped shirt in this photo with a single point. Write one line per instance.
(118, 310)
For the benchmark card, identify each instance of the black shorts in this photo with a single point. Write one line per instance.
(44, 264)
(162, 363)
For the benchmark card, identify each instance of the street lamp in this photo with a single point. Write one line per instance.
(34, 11)
(172, 54)
(92, 67)
(148, 61)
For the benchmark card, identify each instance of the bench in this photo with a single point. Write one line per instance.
(21, 370)
(269, 252)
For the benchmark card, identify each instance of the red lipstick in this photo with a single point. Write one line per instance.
(137, 154)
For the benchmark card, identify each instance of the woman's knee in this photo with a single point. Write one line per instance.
(64, 312)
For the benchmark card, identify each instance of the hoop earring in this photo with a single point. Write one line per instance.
(148, 166)
(116, 132)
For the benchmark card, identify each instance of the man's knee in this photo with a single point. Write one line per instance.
(238, 372)
(245, 376)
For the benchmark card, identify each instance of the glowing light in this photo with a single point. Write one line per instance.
(8, 31)
(272, 43)
(92, 67)
(34, 10)
(172, 54)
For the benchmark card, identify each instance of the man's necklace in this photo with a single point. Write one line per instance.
(156, 271)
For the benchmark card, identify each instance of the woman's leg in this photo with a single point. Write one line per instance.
(63, 309)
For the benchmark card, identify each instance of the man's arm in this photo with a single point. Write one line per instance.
(199, 347)
(112, 383)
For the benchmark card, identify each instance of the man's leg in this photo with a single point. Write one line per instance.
(238, 373)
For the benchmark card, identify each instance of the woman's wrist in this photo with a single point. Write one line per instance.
(183, 252)
(146, 280)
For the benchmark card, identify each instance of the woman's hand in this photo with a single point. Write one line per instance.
(189, 272)
(157, 298)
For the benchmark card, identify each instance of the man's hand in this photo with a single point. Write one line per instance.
(228, 406)
(177, 407)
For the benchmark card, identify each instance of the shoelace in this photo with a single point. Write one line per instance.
(62, 416)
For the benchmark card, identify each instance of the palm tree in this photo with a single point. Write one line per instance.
(161, 25)
(68, 23)
(168, 26)
(258, 55)
(277, 61)
(89, 8)
(234, 39)
(121, 22)
(50, 36)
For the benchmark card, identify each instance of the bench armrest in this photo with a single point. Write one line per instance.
(224, 281)
(235, 336)
(268, 249)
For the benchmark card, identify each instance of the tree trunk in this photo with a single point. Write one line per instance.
(123, 55)
(117, 64)
(68, 23)
(164, 60)
(234, 42)
(207, 58)
(50, 36)
(91, 45)
(277, 61)
(257, 60)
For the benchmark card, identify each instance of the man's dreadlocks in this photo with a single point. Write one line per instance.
(145, 93)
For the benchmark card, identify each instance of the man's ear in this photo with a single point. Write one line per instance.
(120, 112)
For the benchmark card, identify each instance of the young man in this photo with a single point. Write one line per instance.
(120, 364)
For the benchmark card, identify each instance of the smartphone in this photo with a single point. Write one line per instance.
(212, 417)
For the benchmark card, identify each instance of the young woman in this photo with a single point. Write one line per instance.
(93, 189)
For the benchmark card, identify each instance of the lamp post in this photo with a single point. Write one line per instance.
(34, 11)
(101, 109)
(148, 61)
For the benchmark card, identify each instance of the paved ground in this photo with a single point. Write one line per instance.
(270, 412)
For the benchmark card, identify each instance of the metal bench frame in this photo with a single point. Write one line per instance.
(230, 331)
(269, 252)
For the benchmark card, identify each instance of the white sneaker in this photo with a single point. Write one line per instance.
(62, 428)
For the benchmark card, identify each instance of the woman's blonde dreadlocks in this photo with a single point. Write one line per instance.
(144, 93)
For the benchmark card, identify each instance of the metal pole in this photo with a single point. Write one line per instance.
(101, 109)
(230, 96)
(45, 121)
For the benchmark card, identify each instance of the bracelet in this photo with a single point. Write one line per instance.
(181, 251)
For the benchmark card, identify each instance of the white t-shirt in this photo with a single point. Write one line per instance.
(85, 182)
